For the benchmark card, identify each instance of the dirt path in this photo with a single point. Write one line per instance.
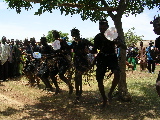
(16, 100)
(20, 102)
(9, 101)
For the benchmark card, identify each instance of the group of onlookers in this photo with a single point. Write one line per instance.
(58, 61)
(16, 57)
(10, 58)
(146, 57)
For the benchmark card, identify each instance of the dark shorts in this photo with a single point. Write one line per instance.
(104, 63)
(60, 67)
(43, 70)
(81, 63)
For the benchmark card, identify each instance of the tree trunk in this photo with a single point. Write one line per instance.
(122, 86)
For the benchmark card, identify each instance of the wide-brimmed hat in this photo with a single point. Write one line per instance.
(151, 42)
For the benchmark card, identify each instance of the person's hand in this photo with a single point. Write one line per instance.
(116, 41)
(120, 43)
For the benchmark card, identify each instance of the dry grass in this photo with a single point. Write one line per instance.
(19, 102)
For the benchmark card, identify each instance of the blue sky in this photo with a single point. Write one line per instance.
(27, 25)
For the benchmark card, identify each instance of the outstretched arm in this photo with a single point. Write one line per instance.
(119, 43)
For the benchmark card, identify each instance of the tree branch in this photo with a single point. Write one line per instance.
(107, 8)
(81, 5)
(35, 1)
(109, 12)
(122, 7)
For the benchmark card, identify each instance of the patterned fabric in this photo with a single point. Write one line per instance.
(10, 59)
(5, 53)
(81, 49)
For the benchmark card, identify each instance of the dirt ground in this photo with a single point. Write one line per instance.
(21, 102)
(14, 101)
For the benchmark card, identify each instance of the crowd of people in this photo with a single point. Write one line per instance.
(17, 58)
(147, 57)
(10, 58)
(41, 61)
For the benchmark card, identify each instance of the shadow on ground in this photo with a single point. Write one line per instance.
(62, 107)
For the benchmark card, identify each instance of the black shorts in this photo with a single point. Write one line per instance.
(43, 70)
(60, 67)
(81, 63)
(106, 62)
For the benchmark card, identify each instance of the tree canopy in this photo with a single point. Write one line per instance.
(50, 37)
(131, 37)
(88, 9)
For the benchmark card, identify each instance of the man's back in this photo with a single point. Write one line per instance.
(103, 44)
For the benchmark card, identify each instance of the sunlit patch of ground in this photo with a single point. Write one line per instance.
(20, 102)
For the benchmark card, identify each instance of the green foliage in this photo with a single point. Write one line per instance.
(131, 37)
(50, 37)
(88, 9)
(91, 39)
(18, 5)
(62, 35)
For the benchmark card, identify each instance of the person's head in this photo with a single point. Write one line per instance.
(17, 42)
(12, 41)
(56, 34)
(43, 41)
(103, 25)
(156, 25)
(151, 43)
(75, 33)
(4, 40)
(32, 41)
(141, 44)
(26, 42)
(8, 41)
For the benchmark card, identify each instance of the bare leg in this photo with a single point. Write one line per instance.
(47, 83)
(158, 88)
(54, 80)
(101, 89)
(78, 84)
(114, 83)
(62, 77)
(31, 78)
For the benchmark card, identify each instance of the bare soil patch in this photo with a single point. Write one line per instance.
(20, 102)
